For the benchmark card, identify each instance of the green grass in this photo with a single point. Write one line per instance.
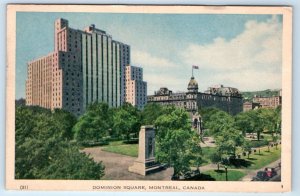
(116, 143)
(267, 136)
(233, 175)
(264, 158)
(124, 149)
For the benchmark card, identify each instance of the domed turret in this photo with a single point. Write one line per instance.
(193, 85)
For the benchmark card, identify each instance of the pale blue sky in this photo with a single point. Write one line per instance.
(227, 48)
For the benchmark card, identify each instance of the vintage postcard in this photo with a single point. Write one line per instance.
(149, 98)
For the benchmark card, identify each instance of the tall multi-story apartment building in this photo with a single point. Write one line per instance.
(103, 65)
(51, 85)
(136, 88)
(125, 60)
(86, 66)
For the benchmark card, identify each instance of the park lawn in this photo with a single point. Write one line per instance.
(124, 149)
(265, 157)
(233, 175)
(116, 143)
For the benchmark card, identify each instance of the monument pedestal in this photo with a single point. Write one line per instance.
(145, 163)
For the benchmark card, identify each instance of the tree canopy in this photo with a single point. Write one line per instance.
(259, 120)
(94, 124)
(150, 113)
(44, 149)
(177, 144)
(222, 127)
(127, 121)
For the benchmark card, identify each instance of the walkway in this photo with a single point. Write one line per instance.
(252, 173)
(116, 166)
(208, 142)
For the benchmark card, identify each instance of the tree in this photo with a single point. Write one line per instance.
(65, 121)
(259, 120)
(69, 163)
(206, 113)
(94, 124)
(243, 122)
(126, 121)
(177, 144)
(216, 158)
(219, 121)
(277, 124)
(227, 137)
(256, 122)
(150, 113)
(43, 150)
(228, 141)
(247, 147)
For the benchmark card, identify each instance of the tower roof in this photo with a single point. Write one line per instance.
(193, 84)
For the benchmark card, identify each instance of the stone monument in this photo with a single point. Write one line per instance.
(145, 163)
(197, 123)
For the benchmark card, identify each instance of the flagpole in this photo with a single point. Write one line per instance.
(192, 71)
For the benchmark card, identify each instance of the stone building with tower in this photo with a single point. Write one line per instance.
(86, 66)
(227, 99)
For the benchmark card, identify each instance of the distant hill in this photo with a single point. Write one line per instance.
(265, 93)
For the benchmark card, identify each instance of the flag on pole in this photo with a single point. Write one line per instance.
(195, 67)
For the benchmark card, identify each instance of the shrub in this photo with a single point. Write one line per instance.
(131, 141)
(94, 143)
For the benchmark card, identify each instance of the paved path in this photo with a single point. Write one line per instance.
(252, 173)
(207, 167)
(116, 166)
(208, 142)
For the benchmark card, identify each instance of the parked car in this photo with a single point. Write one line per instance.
(261, 176)
(270, 172)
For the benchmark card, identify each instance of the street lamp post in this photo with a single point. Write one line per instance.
(226, 173)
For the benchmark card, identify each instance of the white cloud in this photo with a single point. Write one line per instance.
(163, 79)
(244, 81)
(158, 71)
(251, 60)
(150, 61)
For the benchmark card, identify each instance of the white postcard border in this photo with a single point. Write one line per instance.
(91, 185)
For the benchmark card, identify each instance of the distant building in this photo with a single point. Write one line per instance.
(136, 88)
(268, 102)
(250, 106)
(86, 66)
(224, 98)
